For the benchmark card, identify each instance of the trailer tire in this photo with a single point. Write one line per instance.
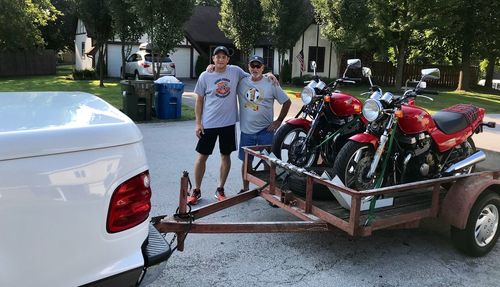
(484, 215)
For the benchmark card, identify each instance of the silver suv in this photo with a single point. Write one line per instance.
(139, 65)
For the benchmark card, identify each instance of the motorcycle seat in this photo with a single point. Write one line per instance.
(450, 122)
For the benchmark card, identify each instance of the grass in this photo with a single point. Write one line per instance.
(62, 81)
(446, 98)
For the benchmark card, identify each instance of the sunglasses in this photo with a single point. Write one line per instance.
(255, 66)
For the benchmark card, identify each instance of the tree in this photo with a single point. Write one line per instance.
(59, 35)
(20, 23)
(395, 22)
(490, 38)
(344, 22)
(285, 20)
(207, 3)
(96, 16)
(241, 21)
(164, 20)
(126, 25)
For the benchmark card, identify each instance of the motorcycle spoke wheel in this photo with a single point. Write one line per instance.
(288, 146)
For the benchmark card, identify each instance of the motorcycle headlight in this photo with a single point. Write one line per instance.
(372, 110)
(307, 95)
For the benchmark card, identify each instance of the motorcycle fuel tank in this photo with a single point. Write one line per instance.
(415, 120)
(343, 105)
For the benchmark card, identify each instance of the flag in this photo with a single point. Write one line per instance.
(300, 57)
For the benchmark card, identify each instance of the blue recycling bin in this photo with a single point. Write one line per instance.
(168, 100)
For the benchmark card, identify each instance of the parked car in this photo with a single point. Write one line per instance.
(139, 65)
(74, 194)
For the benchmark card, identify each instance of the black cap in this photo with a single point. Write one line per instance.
(256, 58)
(221, 49)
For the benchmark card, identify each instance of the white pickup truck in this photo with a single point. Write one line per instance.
(74, 194)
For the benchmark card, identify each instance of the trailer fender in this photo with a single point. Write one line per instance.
(462, 195)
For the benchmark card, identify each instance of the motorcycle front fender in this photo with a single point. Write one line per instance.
(366, 138)
(300, 122)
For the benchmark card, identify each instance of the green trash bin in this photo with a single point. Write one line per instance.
(137, 99)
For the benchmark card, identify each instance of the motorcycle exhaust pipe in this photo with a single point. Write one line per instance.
(477, 157)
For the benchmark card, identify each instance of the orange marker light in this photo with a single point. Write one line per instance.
(326, 99)
(357, 108)
(399, 114)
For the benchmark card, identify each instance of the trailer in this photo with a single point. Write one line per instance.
(469, 203)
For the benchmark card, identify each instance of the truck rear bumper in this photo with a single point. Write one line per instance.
(156, 252)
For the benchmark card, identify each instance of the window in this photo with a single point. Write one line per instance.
(268, 57)
(83, 50)
(316, 54)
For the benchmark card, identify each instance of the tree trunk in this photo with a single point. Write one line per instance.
(402, 48)
(101, 65)
(122, 70)
(490, 70)
(464, 78)
(281, 58)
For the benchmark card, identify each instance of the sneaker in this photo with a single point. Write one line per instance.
(193, 198)
(219, 194)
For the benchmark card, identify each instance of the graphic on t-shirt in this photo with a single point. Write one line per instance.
(253, 97)
(223, 89)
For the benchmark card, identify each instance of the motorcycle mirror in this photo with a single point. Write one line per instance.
(353, 63)
(431, 74)
(367, 72)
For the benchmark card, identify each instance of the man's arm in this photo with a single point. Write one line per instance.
(198, 110)
(283, 112)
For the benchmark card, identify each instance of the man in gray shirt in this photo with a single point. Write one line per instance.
(216, 114)
(256, 95)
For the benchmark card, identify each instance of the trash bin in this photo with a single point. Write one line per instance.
(168, 100)
(137, 99)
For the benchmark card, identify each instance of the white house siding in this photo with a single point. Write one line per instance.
(82, 61)
(181, 57)
(310, 39)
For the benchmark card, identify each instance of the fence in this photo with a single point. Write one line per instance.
(385, 73)
(42, 62)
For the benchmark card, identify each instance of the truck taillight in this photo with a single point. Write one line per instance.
(130, 203)
(172, 65)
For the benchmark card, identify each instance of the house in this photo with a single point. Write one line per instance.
(202, 35)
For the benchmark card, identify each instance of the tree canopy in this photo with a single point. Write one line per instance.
(20, 23)
(241, 21)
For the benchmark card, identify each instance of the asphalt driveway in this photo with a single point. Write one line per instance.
(422, 257)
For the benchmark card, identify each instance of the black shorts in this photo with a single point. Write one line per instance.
(227, 140)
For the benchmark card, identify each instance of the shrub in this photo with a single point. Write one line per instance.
(286, 72)
(87, 74)
(201, 65)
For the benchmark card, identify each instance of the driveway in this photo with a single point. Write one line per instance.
(422, 257)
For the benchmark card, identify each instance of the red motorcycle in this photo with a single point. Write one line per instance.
(404, 143)
(329, 118)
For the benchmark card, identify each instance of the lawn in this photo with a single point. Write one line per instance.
(446, 98)
(111, 92)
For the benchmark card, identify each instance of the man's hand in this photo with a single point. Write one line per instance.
(274, 126)
(210, 68)
(273, 78)
(199, 130)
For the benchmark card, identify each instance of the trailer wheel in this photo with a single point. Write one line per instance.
(481, 232)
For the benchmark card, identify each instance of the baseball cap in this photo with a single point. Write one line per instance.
(256, 58)
(221, 49)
